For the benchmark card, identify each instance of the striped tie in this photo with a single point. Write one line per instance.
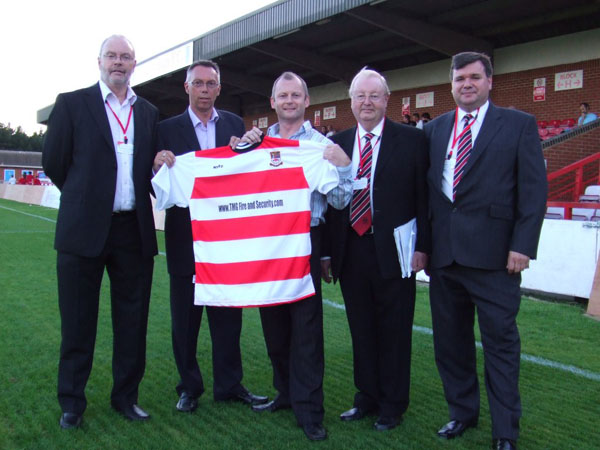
(360, 208)
(465, 144)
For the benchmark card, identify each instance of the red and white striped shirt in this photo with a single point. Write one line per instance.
(250, 217)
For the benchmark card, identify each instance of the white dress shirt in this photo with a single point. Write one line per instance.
(124, 192)
(450, 160)
(206, 134)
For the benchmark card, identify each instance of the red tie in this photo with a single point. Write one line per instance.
(360, 208)
(465, 144)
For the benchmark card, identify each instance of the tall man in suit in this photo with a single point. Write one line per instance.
(487, 196)
(294, 331)
(389, 163)
(200, 126)
(98, 151)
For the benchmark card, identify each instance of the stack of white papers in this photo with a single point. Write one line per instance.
(406, 237)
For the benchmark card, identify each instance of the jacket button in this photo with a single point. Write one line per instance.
(454, 210)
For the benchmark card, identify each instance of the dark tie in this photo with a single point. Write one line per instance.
(360, 207)
(465, 144)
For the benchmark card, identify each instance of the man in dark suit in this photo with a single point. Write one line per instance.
(487, 197)
(201, 126)
(389, 163)
(98, 151)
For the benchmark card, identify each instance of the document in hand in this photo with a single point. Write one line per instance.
(406, 237)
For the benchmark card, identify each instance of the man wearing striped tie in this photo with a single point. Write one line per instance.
(487, 197)
(389, 164)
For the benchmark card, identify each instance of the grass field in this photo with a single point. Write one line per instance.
(560, 373)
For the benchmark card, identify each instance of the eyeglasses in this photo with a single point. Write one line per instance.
(125, 57)
(373, 98)
(199, 84)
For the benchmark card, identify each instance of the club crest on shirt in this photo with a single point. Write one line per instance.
(276, 159)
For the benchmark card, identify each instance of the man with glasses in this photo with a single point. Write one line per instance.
(98, 151)
(201, 126)
(389, 163)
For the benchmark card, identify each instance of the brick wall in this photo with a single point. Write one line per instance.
(513, 89)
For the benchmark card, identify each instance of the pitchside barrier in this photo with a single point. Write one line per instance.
(567, 262)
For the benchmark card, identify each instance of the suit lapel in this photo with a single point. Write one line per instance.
(439, 146)
(386, 148)
(139, 113)
(93, 99)
(221, 131)
(491, 125)
(188, 133)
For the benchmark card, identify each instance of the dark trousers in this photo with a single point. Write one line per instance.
(380, 315)
(79, 281)
(225, 326)
(456, 292)
(294, 338)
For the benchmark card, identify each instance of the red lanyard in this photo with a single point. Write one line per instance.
(119, 121)
(455, 138)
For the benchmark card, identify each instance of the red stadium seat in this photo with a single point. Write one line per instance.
(542, 124)
(568, 123)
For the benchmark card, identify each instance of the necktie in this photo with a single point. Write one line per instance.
(360, 207)
(465, 144)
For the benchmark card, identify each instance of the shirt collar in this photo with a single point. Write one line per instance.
(480, 115)
(306, 127)
(106, 93)
(375, 131)
(195, 120)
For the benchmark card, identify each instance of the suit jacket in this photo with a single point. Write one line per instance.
(501, 199)
(79, 157)
(178, 135)
(399, 194)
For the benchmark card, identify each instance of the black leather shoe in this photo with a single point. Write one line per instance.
(353, 414)
(187, 403)
(132, 412)
(315, 431)
(70, 420)
(385, 423)
(454, 428)
(274, 405)
(249, 398)
(504, 444)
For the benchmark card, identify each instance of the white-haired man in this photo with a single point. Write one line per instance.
(389, 163)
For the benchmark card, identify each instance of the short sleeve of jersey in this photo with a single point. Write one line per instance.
(173, 186)
(322, 176)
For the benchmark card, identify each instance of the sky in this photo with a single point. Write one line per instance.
(52, 47)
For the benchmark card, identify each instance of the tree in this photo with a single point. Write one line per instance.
(11, 139)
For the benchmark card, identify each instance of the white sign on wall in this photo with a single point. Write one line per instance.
(329, 113)
(424, 100)
(564, 81)
(263, 122)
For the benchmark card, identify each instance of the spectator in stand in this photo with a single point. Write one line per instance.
(23, 179)
(324, 130)
(406, 120)
(417, 120)
(586, 116)
(425, 117)
(12, 180)
(330, 131)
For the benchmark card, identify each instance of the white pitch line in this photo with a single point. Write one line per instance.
(25, 231)
(27, 214)
(525, 357)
